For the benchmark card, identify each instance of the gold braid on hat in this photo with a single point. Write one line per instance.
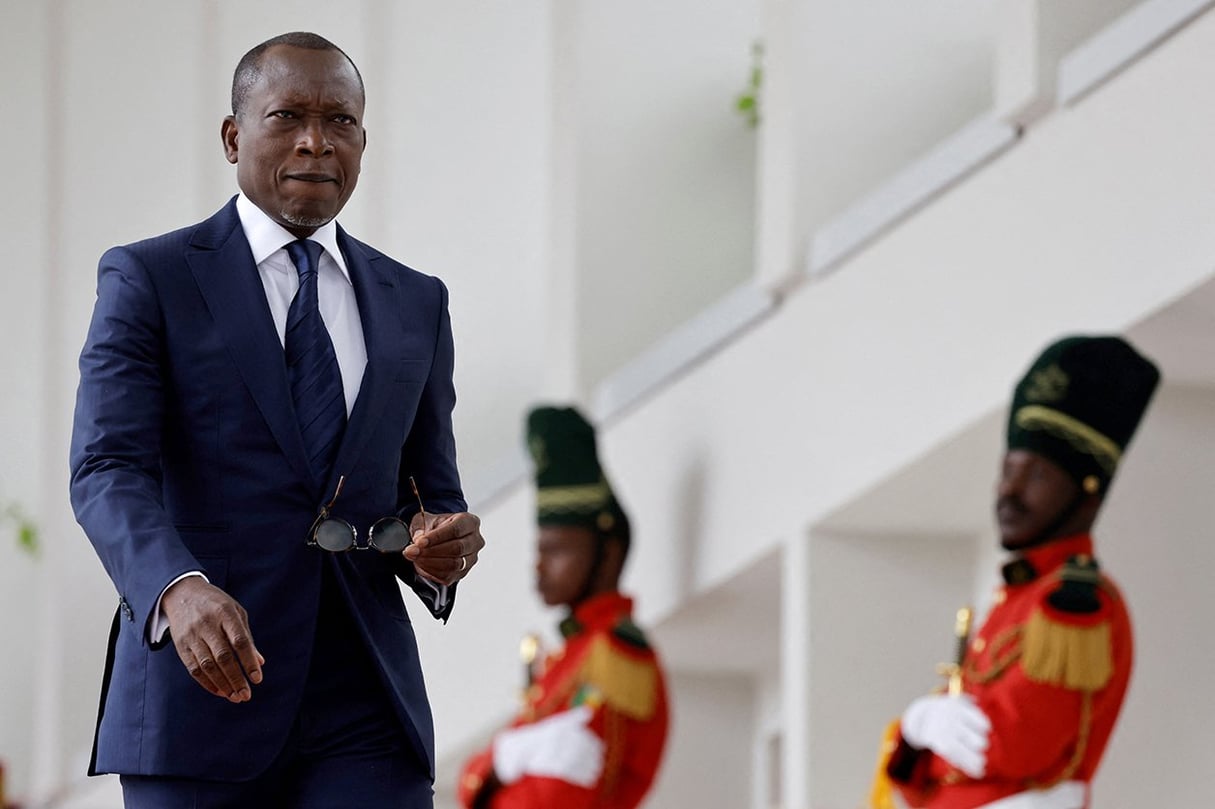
(1081, 436)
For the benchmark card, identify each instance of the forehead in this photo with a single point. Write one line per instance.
(565, 538)
(287, 73)
(1024, 458)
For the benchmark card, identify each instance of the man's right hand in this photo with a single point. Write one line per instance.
(559, 746)
(211, 634)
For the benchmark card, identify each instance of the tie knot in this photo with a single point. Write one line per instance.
(306, 255)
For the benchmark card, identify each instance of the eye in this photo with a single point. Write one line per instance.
(345, 119)
(282, 114)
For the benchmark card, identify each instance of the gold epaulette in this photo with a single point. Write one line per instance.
(1067, 641)
(626, 682)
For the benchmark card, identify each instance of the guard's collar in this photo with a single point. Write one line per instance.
(597, 612)
(1036, 562)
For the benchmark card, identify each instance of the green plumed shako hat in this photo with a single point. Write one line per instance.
(571, 488)
(1079, 404)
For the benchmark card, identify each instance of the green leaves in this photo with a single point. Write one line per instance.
(27, 532)
(748, 102)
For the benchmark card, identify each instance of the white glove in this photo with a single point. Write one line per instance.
(953, 727)
(560, 746)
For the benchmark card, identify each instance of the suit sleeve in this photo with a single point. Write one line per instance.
(429, 454)
(116, 440)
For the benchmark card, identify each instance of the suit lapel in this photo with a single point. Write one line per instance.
(376, 293)
(223, 268)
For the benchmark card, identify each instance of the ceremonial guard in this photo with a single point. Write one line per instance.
(1039, 687)
(594, 720)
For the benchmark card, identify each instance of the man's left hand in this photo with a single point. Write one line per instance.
(445, 546)
(953, 727)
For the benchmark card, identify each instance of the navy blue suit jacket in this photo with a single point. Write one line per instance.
(186, 456)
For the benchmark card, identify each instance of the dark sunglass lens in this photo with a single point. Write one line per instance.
(334, 535)
(390, 535)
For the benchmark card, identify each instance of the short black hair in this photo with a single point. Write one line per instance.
(249, 69)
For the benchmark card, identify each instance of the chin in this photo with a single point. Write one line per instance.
(302, 220)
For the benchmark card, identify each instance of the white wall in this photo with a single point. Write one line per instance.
(1154, 538)
(882, 615)
(881, 95)
(711, 715)
(665, 170)
(23, 313)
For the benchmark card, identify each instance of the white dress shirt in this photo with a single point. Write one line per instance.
(339, 309)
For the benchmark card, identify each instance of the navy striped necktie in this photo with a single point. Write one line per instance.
(312, 368)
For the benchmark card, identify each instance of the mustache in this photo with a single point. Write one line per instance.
(1013, 502)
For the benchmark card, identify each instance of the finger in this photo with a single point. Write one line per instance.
(973, 718)
(421, 523)
(248, 657)
(973, 764)
(226, 670)
(198, 672)
(445, 575)
(971, 739)
(422, 528)
(448, 569)
(448, 528)
(447, 555)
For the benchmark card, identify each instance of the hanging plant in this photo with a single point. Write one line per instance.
(748, 102)
(27, 532)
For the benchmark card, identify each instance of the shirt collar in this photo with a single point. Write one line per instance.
(266, 237)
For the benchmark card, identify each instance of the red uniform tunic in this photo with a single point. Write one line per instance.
(1050, 677)
(607, 664)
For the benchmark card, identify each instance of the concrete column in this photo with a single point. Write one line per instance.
(777, 246)
(45, 614)
(796, 674)
(1032, 37)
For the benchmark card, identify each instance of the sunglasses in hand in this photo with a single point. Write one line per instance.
(387, 535)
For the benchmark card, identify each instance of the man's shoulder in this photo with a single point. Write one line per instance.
(383, 261)
(210, 232)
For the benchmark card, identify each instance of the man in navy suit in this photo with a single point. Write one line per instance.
(257, 394)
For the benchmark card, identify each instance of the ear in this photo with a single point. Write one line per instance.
(228, 134)
(613, 559)
(1090, 506)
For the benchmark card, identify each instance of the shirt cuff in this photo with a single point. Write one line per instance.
(159, 624)
(439, 590)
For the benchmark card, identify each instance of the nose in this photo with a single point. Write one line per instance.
(1011, 480)
(313, 140)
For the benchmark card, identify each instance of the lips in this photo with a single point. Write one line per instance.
(1009, 510)
(307, 177)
